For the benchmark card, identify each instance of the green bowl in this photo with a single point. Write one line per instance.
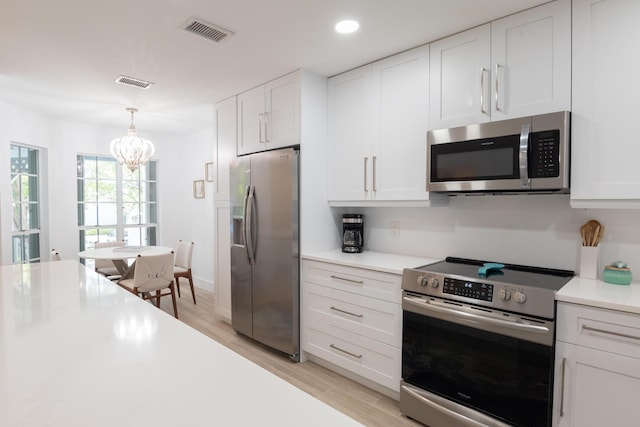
(616, 276)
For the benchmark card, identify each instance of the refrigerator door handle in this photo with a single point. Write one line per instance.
(248, 224)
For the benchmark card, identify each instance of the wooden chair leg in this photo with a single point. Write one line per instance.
(158, 298)
(193, 293)
(177, 280)
(173, 297)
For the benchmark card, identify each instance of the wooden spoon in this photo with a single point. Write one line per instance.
(589, 232)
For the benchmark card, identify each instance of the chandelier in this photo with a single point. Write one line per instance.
(132, 150)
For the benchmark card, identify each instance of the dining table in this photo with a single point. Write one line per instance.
(120, 255)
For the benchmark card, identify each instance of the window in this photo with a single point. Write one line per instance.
(25, 204)
(115, 203)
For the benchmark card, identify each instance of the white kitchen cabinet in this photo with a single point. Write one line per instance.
(597, 368)
(604, 140)
(378, 120)
(222, 263)
(352, 318)
(269, 115)
(225, 148)
(516, 66)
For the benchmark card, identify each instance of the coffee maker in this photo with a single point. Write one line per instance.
(352, 233)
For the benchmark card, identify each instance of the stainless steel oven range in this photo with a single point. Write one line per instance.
(478, 343)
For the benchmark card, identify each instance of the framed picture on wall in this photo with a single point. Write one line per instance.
(208, 171)
(198, 188)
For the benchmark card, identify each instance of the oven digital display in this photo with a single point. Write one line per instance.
(465, 288)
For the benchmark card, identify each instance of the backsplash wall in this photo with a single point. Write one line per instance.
(541, 230)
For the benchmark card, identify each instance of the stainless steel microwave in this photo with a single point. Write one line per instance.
(528, 154)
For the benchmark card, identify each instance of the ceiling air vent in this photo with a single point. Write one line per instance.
(205, 29)
(130, 81)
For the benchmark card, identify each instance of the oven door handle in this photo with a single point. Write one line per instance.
(433, 306)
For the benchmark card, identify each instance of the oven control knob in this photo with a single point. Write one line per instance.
(423, 281)
(434, 282)
(520, 297)
(505, 294)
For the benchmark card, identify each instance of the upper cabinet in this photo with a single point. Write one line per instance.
(604, 142)
(269, 115)
(378, 121)
(513, 67)
(225, 147)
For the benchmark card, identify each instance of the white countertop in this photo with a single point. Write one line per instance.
(597, 293)
(378, 261)
(77, 350)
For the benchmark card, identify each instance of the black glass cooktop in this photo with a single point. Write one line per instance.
(512, 274)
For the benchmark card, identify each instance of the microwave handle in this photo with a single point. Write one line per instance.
(524, 156)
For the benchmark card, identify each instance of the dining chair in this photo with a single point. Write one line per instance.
(106, 266)
(55, 255)
(182, 266)
(152, 274)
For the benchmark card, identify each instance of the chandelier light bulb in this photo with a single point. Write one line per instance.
(132, 150)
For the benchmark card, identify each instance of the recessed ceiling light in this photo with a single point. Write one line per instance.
(347, 26)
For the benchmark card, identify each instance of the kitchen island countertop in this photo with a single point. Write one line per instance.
(378, 261)
(597, 293)
(77, 350)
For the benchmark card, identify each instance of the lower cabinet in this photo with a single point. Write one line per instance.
(352, 318)
(597, 375)
(222, 263)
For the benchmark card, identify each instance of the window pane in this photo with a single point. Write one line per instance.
(15, 159)
(128, 175)
(151, 192)
(90, 237)
(106, 191)
(151, 236)
(132, 236)
(24, 187)
(82, 243)
(90, 213)
(106, 168)
(33, 188)
(107, 213)
(17, 217)
(130, 191)
(80, 166)
(32, 248)
(131, 212)
(17, 249)
(153, 213)
(80, 191)
(34, 216)
(107, 235)
(89, 168)
(25, 221)
(90, 191)
(32, 162)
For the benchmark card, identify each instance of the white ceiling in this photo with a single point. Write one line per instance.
(61, 58)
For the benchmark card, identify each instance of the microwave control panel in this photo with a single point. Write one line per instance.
(544, 154)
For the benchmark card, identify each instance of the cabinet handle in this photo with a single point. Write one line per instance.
(260, 119)
(564, 365)
(374, 174)
(366, 161)
(482, 73)
(266, 126)
(615, 334)
(347, 312)
(357, 356)
(497, 94)
(345, 279)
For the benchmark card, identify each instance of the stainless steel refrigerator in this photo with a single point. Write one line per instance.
(265, 250)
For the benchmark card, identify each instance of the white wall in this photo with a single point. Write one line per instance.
(180, 159)
(540, 230)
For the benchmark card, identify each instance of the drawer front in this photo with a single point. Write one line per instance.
(374, 284)
(372, 318)
(598, 328)
(370, 359)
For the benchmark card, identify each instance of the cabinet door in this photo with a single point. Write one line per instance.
(223, 260)
(225, 149)
(531, 62)
(282, 119)
(605, 148)
(251, 121)
(460, 79)
(401, 116)
(595, 388)
(349, 168)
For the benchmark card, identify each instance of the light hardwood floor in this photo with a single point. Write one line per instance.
(360, 403)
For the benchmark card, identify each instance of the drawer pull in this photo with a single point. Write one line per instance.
(357, 356)
(346, 312)
(615, 334)
(564, 367)
(345, 279)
